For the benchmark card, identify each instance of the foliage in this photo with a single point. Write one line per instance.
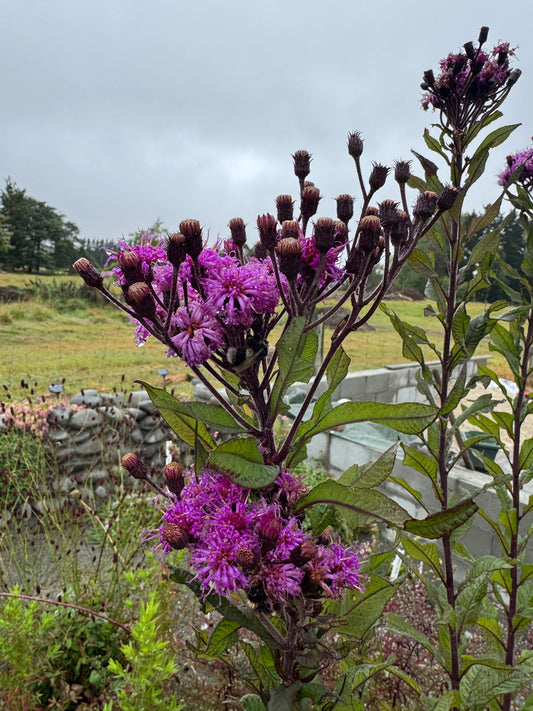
(150, 664)
(40, 236)
(262, 549)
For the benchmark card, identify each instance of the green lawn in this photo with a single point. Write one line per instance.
(92, 346)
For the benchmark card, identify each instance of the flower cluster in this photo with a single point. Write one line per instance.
(241, 541)
(29, 416)
(470, 81)
(523, 160)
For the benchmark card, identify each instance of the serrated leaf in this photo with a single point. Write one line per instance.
(243, 463)
(479, 223)
(223, 637)
(369, 504)
(483, 403)
(186, 427)
(422, 263)
(252, 702)
(423, 463)
(444, 522)
(426, 553)
(398, 624)
(360, 478)
(366, 607)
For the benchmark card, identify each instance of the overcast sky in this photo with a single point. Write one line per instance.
(119, 112)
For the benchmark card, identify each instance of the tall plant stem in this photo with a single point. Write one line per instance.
(514, 572)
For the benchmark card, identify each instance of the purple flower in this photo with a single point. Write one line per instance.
(524, 159)
(281, 580)
(199, 333)
(216, 568)
(334, 569)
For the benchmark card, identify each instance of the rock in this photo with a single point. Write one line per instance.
(149, 422)
(85, 418)
(57, 435)
(136, 413)
(79, 437)
(115, 414)
(112, 399)
(137, 397)
(59, 415)
(89, 397)
(158, 435)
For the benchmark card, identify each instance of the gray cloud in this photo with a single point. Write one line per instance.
(119, 112)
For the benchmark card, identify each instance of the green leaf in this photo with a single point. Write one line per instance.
(296, 353)
(426, 553)
(243, 463)
(483, 403)
(407, 417)
(252, 702)
(223, 637)
(423, 463)
(372, 504)
(365, 607)
(422, 263)
(476, 167)
(434, 145)
(360, 478)
(479, 223)
(213, 415)
(187, 427)
(398, 624)
(444, 522)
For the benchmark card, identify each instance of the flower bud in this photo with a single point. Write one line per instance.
(290, 257)
(267, 226)
(174, 478)
(238, 231)
(429, 77)
(369, 233)
(469, 50)
(193, 237)
(174, 535)
(290, 228)
(284, 206)
(176, 251)
(371, 210)
(514, 77)
(399, 233)
(134, 466)
(483, 34)
(131, 266)
(303, 553)
(260, 252)
(447, 198)
(355, 145)
(141, 300)
(270, 525)
(341, 232)
(402, 171)
(310, 200)
(388, 213)
(245, 557)
(425, 205)
(344, 208)
(378, 176)
(302, 164)
(355, 260)
(324, 234)
(88, 272)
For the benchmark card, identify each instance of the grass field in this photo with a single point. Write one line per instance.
(91, 346)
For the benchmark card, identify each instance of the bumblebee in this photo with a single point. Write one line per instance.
(243, 358)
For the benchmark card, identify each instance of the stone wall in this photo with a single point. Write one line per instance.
(88, 437)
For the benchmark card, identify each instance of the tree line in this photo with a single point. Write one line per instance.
(35, 237)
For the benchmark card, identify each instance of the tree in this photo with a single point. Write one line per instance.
(39, 236)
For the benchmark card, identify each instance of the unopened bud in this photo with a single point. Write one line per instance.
(285, 207)
(303, 553)
(88, 272)
(344, 208)
(141, 300)
(483, 34)
(290, 228)
(378, 176)
(267, 226)
(134, 466)
(425, 205)
(514, 77)
(302, 164)
(270, 525)
(131, 266)
(429, 77)
(399, 232)
(310, 200)
(402, 171)
(174, 478)
(371, 210)
(341, 232)
(174, 535)
(176, 251)
(290, 257)
(260, 251)
(469, 50)
(193, 237)
(355, 260)
(369, 233)
(324, 234)
(388, 213)
(238, 231)
(447, 198)
(355, 145)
